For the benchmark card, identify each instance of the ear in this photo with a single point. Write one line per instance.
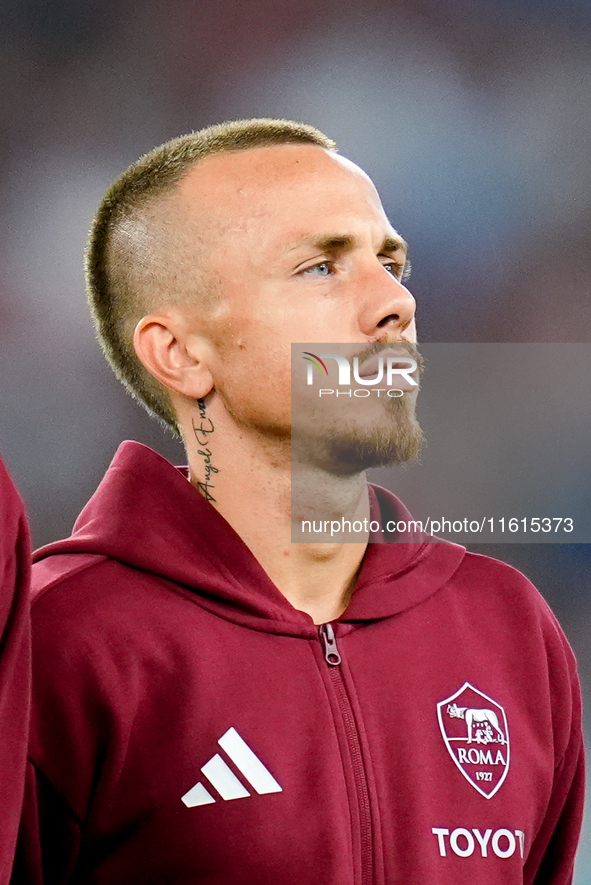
(176, 359)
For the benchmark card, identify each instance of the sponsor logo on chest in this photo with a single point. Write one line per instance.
(475, 731)
(464, 842)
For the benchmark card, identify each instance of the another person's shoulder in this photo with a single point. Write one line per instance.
(15, 552)
(15, 555)
(12, 512)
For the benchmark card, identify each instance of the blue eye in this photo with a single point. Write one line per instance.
(322, 269)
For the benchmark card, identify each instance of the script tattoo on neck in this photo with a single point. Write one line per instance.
(202, 429)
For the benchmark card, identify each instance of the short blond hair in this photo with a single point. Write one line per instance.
(115, 274)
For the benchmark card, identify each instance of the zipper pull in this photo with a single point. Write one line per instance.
(331, 652)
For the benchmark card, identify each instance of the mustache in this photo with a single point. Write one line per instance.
(379, 347)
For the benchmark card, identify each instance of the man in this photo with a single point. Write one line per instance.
(15, 564)
(213, 703)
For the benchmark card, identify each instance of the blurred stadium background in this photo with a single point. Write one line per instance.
(472, 116)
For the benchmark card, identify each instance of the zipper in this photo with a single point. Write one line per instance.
(333, 658)
(331, 652)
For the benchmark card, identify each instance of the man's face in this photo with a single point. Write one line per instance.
(300, 250)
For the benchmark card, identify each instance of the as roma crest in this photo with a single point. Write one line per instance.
(475, 731)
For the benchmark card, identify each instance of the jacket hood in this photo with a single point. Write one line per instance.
(146, 515)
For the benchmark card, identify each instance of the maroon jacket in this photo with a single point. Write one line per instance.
(15, 564)
(430, 735)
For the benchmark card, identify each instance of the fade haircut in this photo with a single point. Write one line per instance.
(132, 266)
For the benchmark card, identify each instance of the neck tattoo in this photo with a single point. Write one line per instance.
(202, 429)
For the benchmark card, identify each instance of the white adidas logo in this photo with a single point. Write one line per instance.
(223, 779)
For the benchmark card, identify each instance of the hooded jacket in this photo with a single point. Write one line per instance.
(15, 566)
(191, 726)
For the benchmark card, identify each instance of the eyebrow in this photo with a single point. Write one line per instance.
(392, 244)
(336, 242)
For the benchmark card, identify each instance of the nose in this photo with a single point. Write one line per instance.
(388, 308)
